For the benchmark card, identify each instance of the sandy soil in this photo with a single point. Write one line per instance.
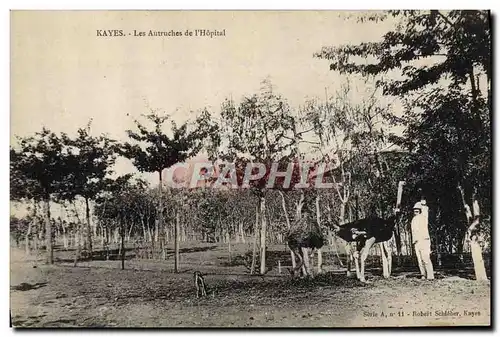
(99, 294)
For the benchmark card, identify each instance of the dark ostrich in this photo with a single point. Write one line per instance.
(371, 227)
(304, 236)
(365, 233)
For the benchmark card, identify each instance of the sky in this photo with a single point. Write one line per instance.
(63, 74)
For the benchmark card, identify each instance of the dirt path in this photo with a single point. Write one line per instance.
(61, 296)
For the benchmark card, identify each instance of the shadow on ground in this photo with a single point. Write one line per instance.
(171, 252)
(27, 286)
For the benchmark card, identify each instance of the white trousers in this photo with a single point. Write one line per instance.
(423, 251)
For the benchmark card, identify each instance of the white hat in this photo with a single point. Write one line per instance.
(418, 205)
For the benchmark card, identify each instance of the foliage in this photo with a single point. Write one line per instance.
(91, 161)
(18, 227)
(40, 167)
(458, 41)
(155, 150)
(439, 64)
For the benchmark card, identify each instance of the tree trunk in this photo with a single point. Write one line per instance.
(35, 238)
(332, 239)
(176, 241)
(65, 236)
(255, 233)
(159, 224)
(472, 236)
(229, 246)
(57, 233)
(88, 229)
(263, 236)
(144, 233)
(150, 235)
(130, 231)
(152, 243)
(102, 234)
(107, 240)
(342, 221)
(32, 224)
(122, 244)
(300, 204)
(288, 225)
(184, 235)
(78, 244)
(27, 238)
(41, 231)
(320, 253)
(242, 232)
(342, 213)
(48, 231)
(475, 247)
(156, 230)
(439, 250)
(236, 234)
(398, 238)
(477, 258)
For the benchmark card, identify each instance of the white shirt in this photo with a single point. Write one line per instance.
(419, 228)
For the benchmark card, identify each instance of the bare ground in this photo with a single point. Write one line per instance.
(148, 294)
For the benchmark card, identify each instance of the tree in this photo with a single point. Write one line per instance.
(91, 162)
(27, 190)
(155, 151)
(41, 169)
(446, 113)
(349, 132)
(113, 206)
(258, 130)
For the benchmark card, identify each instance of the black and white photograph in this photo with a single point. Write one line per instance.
(250, 168)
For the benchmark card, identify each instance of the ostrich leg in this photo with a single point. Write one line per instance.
(383, 254)
(311, 252)
(364, 254)
(302, 261)
(300, 266)
(388, 248)
(350, 258)
(356, 264)
(320, 261)
(306, 266)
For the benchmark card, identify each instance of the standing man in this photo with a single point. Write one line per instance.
(421, 239)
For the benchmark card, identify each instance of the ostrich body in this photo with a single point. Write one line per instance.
(303, 237)
(365, 233)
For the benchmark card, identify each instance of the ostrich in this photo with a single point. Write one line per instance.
(303, 237)
(365, 233)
